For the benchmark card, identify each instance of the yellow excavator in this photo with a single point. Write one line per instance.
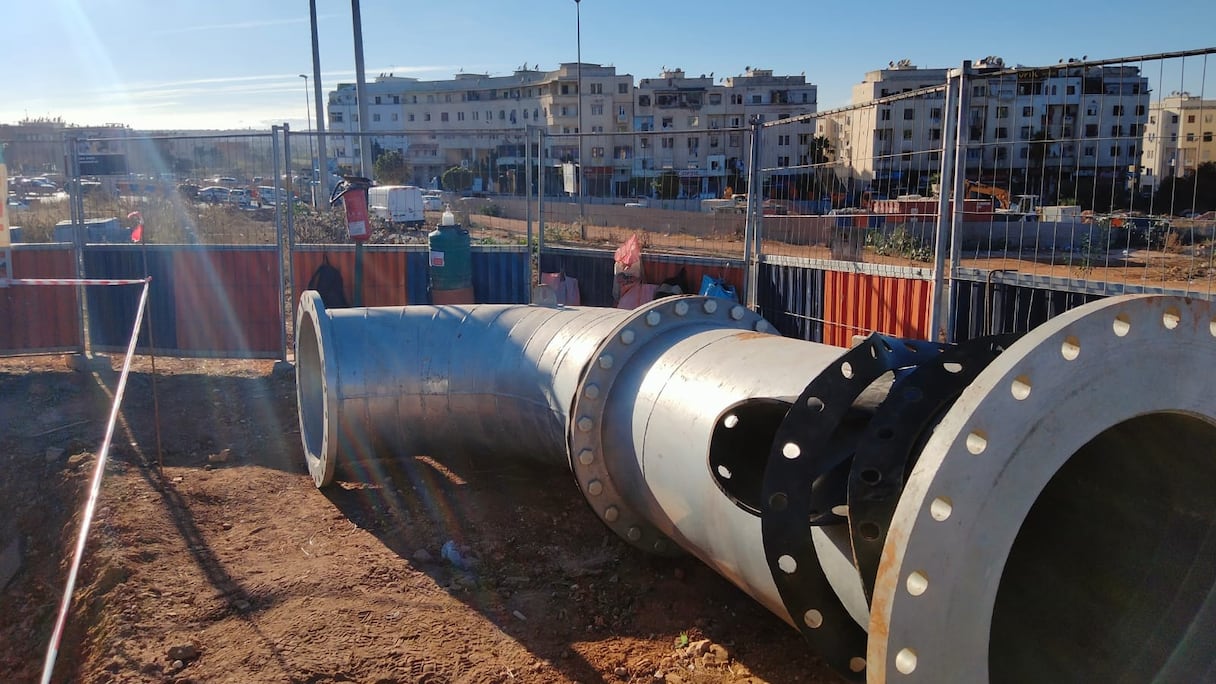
(1001, 195)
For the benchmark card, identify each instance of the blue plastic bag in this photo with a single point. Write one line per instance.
(716, 287)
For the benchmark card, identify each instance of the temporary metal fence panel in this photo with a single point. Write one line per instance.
(398, 275)
(205, 300)
(790, 296)
(594, 270)
(40, 319)
(860, 304)
(986, 309)
(111, 309)
(1100, 171)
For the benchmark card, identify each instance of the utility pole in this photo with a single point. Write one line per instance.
(578, 46)
(322, 160)
(360, 90)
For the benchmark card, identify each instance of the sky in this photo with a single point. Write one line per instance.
(236, 64)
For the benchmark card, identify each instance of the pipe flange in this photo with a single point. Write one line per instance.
(316, 398)
(796, 461)
(584, 435)
(893, 437)
(990, 457)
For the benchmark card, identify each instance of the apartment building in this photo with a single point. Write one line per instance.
(699, 125)
(1177, 138)
(1042, 130)
(480, 121)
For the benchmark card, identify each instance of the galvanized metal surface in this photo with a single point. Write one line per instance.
(1057, 524)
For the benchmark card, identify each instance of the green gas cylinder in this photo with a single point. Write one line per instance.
(451, 261)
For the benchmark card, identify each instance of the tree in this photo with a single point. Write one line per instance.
(667, 185)
(391, 169)
(457, 179)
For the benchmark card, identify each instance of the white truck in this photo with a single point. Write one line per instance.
(397, 203)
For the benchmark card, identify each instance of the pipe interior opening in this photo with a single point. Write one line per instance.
(1112, 574)
(310, 392)
(739, 449)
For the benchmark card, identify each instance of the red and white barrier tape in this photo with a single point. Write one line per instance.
(73, 281)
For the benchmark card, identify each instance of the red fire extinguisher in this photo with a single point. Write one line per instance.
(352, 190)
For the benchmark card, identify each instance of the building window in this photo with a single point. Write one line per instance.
(1116, 110)
(1001, 133)
(978, 91)
(694, 121)
(622, 89)
(715, 98)
(598, 89)
(335, 117)
(907, 134)
(1025, 132)
(935, 134)
(1116, 131)
(565, 89)
(1088, 150)
(476, 115)
(1139, 110)
(884, 114)
(375, 117)
(597, 129)
(736, 99)
(460, 116)
(565, 111)
(426, 117)
(756, 99)
(668, 143)
(1114, 150)
(1002, 153)
(714, 140)
(935, 114)
(783, 139)
(783, 161)
(1071, 90)
(1190, 118)
(597, 110)
(377, 99)
(734, 140)
(597, 153)
(909, 114)
(430, 99)
(409, 117)
(643, 100)
(447, 97)
(804, 138)
(1002, 112)
(443, 116)
(644, 143)
(394, 116)
(667, 122)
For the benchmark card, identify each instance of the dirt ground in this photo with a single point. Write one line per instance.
(227, 565)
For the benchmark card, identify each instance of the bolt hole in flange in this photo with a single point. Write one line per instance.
(1110, 577)
(738, 450)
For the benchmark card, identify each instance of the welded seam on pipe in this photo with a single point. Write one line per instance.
(90, 507)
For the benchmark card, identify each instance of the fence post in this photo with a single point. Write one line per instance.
(751, 226)
(939, 298)
(76, 202)
(540, 201)
(958, 192)
(284, 295)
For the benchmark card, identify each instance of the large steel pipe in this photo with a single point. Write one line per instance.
(1035, 509)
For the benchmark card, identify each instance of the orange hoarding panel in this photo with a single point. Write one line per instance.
(384, 274)
(40, 317)
(859, 304)
(229, 304)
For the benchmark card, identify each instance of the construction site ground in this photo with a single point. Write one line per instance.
(213, 558)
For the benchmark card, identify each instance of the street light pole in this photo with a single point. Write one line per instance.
(578, 46)
(312, 186)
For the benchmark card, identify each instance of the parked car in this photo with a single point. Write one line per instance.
(639, 202)
(240, 197)
(214, 194)
(432, 203)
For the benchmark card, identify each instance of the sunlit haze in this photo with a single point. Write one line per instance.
(230, 64)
